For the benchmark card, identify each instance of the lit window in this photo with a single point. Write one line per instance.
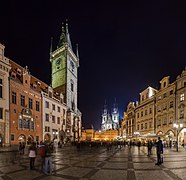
(181, 97)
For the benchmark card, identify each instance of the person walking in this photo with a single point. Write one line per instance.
(159, 151)
(32, 152)
(149, 147)
(48, 167)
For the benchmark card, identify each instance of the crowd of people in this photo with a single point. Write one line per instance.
(44, 150)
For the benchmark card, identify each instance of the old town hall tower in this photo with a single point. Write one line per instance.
(65, 65)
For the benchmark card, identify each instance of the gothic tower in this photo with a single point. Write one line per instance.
(65, 65)
(115, 116)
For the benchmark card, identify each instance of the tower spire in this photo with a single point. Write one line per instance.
(68, 35)
(77, 53)
(62, 39)
(51, 45)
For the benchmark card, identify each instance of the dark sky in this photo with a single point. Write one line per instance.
(124, 46)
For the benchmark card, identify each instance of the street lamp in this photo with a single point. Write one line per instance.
(177, 127)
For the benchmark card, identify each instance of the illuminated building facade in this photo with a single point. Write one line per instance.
(130, 120)
(65, 65)
(54, 115)
(4, 98)
(145, 113)
(25, 106)
(165, 107)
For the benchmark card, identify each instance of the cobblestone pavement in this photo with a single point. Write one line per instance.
(98, 163)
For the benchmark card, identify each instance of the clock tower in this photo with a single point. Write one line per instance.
(65, 65)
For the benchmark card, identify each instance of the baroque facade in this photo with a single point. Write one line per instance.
(160, 112)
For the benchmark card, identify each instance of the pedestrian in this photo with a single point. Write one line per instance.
(48, 159)
(149, 147)
(159, 151)
(23, 148)
(20, 148)
(32, 151)
(42, 154)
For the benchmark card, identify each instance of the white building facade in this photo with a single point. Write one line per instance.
(4, 98)
(54, 116)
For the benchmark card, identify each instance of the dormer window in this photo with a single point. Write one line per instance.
(18, 71)
(164, 84)
(13, 75)
(38, 83)
(34, 86)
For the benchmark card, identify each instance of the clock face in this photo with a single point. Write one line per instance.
(58, 61)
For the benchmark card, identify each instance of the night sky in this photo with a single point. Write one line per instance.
(124, 46)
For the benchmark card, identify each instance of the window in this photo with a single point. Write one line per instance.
(171, 92)
(159, 122)
(165, 121)
(141, 113)
(63, 121)
(58, 109)
(165, 106)
(22, 100)
(181, 97)
(47, 117)
(146, 112)
(12, 137)
(20, 123)
(164, 95)
(164, 84)
(138, 127)
(142, 98)
(46, 128)
(63, 112)
(72, 87)
(37, 106)
(1, 113)
(53, 119)
(58, 120)
(141, 126)
(181, 113)
(30, 103)
(138, 115)
(171, 104)
(145, 125)
(184, 84)
(1, 88)
(171, 120)
(150, 124)
(53, 107)
(46, 104)
(14, 98)
(150, 110)
(159, 108)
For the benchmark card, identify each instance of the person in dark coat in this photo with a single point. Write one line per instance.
(159, 151)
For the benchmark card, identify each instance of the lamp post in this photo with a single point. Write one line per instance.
(177, 127)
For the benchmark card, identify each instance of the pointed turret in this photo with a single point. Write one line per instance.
(77, 53)
(68, 36)
(51, 45)
(63, 38)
